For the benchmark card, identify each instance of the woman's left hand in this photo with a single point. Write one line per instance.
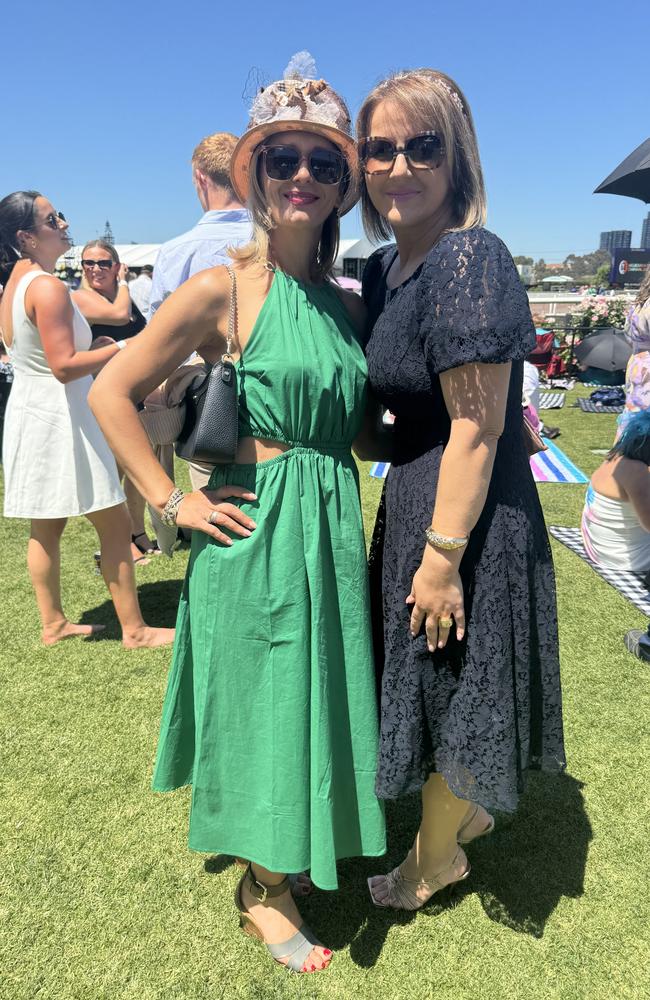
(100, 342)
(436, 593)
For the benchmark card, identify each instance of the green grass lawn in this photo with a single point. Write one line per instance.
(100, 898)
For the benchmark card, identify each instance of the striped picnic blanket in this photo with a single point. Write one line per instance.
(550, 466)
(551, 400)
(553, 466)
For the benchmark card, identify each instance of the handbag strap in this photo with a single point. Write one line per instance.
(232, 315)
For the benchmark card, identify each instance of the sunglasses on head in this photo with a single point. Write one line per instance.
(105, 264)
(282, 163)
(424, 151)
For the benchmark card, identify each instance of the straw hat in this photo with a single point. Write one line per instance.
(297, 103)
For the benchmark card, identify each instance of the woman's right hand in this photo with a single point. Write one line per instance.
(206, 511)
(122, 273)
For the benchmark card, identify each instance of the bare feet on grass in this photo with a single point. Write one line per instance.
(67, 630)
(147, 637)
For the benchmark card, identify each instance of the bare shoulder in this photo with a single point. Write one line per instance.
(354, 305)
(632, 474)
(85, 295)
(209, 289)
(47, 291)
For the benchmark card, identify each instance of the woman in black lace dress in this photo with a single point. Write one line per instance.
(470, 686)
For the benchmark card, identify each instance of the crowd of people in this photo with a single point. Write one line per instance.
(307, 688)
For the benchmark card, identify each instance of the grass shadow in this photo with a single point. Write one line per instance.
(216, 864)
(535, 857)
(158, 603)
(520, 873)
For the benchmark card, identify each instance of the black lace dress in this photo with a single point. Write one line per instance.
(484, 710)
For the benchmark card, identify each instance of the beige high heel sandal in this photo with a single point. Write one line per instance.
(402, 891)
(292, 954)
(476, 823)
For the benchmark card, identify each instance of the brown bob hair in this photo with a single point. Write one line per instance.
(431, 100)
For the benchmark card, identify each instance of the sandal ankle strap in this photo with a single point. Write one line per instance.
(259, 890)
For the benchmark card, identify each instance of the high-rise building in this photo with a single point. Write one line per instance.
(645, 233)
(615, 238)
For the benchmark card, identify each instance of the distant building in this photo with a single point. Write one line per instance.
(614, 238)
(645, 233)
(526, 273)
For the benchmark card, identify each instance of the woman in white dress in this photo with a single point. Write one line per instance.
(57, 463)
(616, 516)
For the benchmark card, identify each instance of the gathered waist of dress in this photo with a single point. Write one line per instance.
(257, 447)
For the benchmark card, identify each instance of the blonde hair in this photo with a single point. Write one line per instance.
(103, 245)
(212, 157)
(644, 290)
(257, 251)
(431, 100)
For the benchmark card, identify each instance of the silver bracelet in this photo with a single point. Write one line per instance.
(445, 542)
(170, 510)
(123, 282)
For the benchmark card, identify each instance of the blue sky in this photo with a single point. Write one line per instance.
(103, 103)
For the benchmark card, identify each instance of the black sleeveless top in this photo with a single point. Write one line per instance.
(136, 323)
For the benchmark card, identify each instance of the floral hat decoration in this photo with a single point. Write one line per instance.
(298, 103)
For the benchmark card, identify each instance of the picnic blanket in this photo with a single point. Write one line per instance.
(630, 585)
(589, 407)
(550, 466)
(551, 400)
(553, 466)
(560, 383)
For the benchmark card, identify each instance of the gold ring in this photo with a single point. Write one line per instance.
(445, 622)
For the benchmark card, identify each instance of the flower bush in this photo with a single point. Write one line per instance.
(599, 310)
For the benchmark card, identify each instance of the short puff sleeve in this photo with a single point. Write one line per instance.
(472, 306)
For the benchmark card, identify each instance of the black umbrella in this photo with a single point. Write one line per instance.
(608, 349)
(631, 177)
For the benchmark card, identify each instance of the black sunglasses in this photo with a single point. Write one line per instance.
(52, 220)
(282, 163)
(424, 151)
(105, 263)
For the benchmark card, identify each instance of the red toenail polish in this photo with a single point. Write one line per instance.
(326, 951)
(313, 968)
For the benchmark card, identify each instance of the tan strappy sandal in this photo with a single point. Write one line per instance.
(476, 823)
(402, 891)
(301, 883)
(292, 954)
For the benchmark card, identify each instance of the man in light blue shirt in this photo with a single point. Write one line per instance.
(226, 222)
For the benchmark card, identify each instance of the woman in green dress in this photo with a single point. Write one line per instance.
(270, 708)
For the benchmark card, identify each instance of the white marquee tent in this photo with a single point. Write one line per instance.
(133, 254)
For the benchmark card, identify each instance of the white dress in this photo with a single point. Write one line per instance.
(57, 462)
(613, 535)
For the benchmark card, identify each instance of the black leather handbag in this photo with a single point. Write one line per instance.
(209, 432)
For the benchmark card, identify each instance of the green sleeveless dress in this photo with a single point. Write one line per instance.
(270, 711)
